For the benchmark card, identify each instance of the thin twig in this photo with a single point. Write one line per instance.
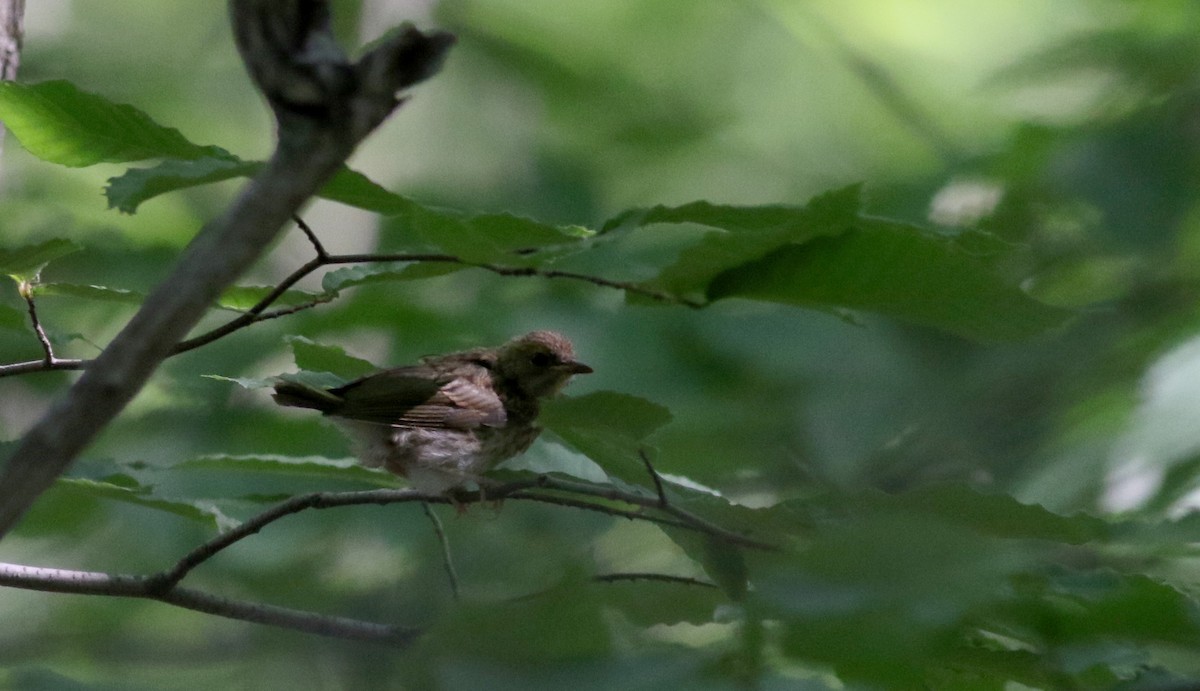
(658, 485)
(657, 577)
(312, 237)
(48, 358)
(447, 559)
(31, 366)
(316, 500)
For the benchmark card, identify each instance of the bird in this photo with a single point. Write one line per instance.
(443, 423)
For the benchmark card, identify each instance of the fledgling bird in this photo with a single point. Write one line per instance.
(445, 422)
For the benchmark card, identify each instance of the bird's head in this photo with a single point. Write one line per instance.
(540, 363)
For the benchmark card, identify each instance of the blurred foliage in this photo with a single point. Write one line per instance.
(944, 258)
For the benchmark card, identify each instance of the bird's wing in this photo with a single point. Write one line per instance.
(422, 396)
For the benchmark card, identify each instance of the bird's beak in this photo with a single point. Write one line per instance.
(573, 367)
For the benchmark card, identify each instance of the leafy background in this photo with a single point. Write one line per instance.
(979, 490)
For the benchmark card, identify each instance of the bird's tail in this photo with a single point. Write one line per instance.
(300, 395)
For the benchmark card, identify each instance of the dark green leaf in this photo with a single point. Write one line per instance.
(134, 493)
(998, 515)
(127, 191)
(894, 270)
(13, 318)
(608, 427)
(646, 602)
(315, 357)
(727, 567)
(747, 233)
(24, 263)
(59, 123)
(564, 623)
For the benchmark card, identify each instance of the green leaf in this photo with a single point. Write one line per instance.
(128, 490)
(249, 383)
(898, 271)
(487, 238)
(315, 357)
(351, 276)
(747, 233)
(607, 427)
(727, 567)
(127, 191)
(998, 515)
(13, 318)
(347, 469)
(352, 188)
(25, 263)
(89, 292)
(647, 602)
(562, 624)
(242, 298)
(57, 122)
(880, 596)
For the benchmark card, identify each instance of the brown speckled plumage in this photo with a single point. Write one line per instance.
(448, 420)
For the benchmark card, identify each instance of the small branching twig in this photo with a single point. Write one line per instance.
(319, 248)
(26, 290)
(261, 312)
(447, 558)
(658, 485)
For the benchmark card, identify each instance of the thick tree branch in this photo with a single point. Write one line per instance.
(324, 106)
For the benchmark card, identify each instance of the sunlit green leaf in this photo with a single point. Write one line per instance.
(127, 191)
(59, 123)
(245, 297)
(89, 292)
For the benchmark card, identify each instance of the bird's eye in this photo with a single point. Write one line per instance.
(541, 359)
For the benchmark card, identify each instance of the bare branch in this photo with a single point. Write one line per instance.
(319, 248)
(48, 358)
(324, 106)
(117, 585)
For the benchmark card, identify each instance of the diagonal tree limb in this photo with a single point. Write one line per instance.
(12, 35)
(324, 107)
